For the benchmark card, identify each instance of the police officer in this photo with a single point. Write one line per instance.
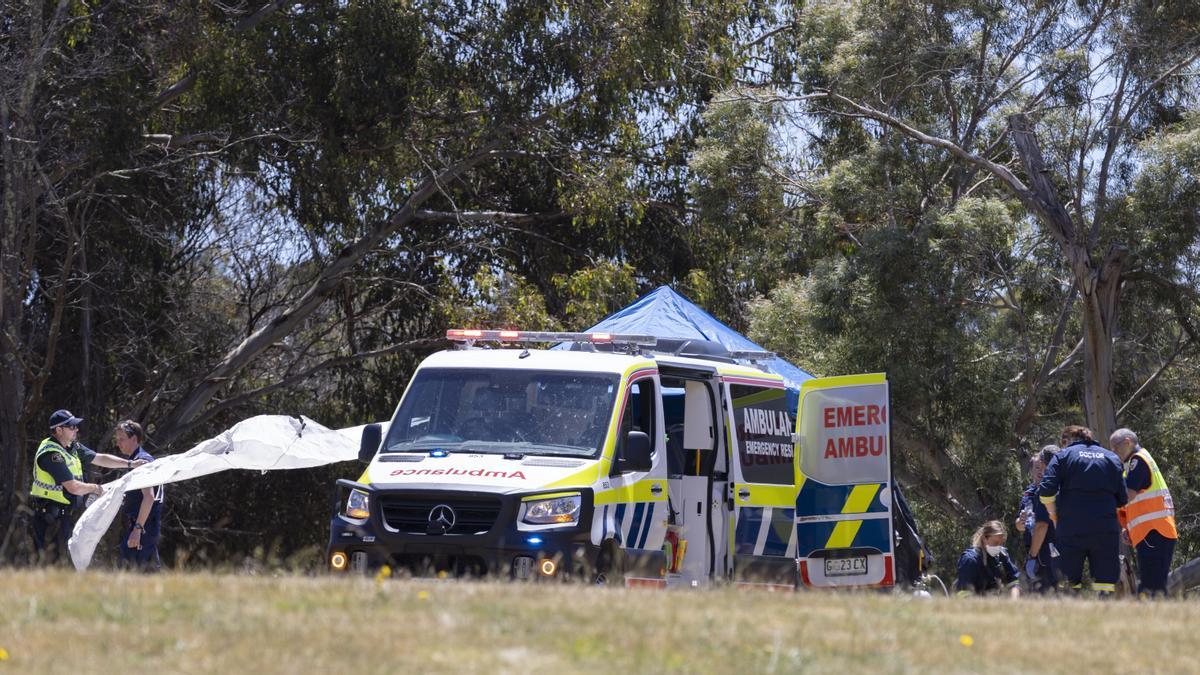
(1041, 560)
(1149, 518)
(985, 567)
(1082, 488)
(58, 485)
(143, 508)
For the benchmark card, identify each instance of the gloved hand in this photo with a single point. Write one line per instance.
(1031, 568)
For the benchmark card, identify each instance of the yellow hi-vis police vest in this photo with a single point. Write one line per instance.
(44, 485)
(1152, 508)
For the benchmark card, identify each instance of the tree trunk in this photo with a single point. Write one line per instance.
(1100, 284)
(936, 475)
(1100, 325)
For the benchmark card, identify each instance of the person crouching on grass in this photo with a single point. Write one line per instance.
(143, 508)
(985, 568)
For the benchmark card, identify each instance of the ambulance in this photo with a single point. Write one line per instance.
(622, 459)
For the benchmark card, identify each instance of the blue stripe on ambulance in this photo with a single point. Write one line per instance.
(638, 511)
(746, 534)
(779, 532)
(877, 505)
(646, 525)
(874, 533)
(619, 521)
(754, 537)
(812, 536)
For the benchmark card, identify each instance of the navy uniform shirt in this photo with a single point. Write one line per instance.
(1089, 483)
(54, 464)
(1137, 478)
(981, 573)
(133, 500)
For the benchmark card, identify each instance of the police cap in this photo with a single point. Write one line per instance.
(64, 418)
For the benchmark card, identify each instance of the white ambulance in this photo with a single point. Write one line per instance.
(624, 459)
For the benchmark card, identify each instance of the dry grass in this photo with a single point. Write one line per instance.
(60, 621)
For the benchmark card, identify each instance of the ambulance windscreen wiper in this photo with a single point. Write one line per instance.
(556, 450)
(424, 445)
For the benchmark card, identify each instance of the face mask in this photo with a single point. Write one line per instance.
(994, 551)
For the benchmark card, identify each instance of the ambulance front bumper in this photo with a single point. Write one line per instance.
(460, 533)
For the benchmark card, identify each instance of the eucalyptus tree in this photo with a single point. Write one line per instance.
(94, 213)
(281, 192)
(979, 173)
(1097, 79)
(408, 137)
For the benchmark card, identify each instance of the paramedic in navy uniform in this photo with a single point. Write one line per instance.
(143, 508)
(985, 567)
(1041, 560)
(1083, 486)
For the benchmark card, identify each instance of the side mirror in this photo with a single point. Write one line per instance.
(638, 455)
(369, 445)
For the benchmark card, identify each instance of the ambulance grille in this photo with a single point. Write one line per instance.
(410, 514)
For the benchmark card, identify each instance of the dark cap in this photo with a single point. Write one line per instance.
(62, 418)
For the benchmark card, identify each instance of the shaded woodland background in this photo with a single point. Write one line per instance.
(212, 210)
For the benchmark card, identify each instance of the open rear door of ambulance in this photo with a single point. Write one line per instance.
(763, 490)
(843, 472)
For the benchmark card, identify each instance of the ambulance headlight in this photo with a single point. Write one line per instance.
(557, 510)
(357, 505)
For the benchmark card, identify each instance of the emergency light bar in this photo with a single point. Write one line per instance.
(471, 335)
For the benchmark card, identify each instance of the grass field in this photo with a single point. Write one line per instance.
(61, 621)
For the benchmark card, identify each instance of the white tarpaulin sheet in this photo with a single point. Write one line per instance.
(263, 443)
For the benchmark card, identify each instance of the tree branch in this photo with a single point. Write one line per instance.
(296, 378)
(995, 169)
(1069, 360)
(185, 84)
(1029, 405)
(1180, 345)
(452, 217)
(329, 278)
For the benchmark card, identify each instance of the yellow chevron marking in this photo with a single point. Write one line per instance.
(860, 498)
(843, 534)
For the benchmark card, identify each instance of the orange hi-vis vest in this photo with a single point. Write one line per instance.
(1152, 508)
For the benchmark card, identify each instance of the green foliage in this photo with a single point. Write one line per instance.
(594, 293)
(496, 301)
(743, 233)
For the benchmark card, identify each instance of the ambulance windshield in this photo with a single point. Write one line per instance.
(504, 411)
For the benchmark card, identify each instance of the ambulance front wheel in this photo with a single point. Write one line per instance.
(610, 565)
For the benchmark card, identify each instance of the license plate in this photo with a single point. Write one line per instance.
(843, 567)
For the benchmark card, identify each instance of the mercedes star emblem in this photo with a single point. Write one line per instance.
(441, 517)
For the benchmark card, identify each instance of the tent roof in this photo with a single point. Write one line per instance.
(664, 313)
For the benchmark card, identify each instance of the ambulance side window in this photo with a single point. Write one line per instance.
(639, 413)
(763, 424)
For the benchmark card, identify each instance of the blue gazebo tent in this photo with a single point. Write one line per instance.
(664, 313)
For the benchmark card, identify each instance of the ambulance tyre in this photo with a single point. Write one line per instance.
(610, 566)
